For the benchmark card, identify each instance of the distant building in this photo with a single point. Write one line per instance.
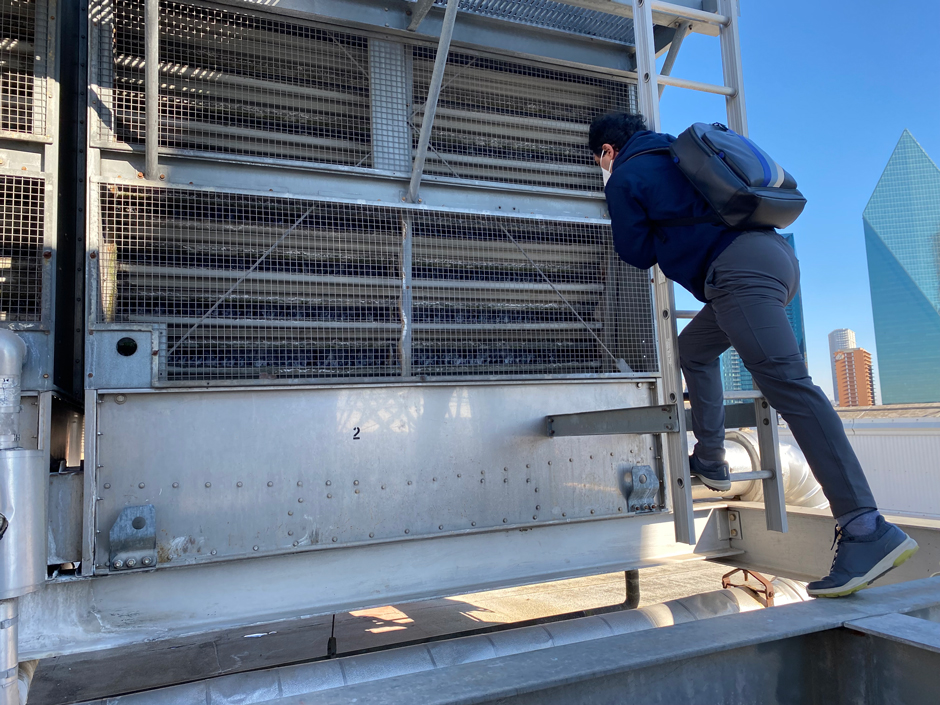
(734, 374)
(902, 238)
(839, 339)
(855, 377)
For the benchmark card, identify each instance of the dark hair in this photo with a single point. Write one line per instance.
(614, 129)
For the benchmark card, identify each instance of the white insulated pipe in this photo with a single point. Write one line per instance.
(800, 487)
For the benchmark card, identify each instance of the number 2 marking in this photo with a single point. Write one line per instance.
(356, 433)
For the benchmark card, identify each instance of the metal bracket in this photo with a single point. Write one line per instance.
(134, 538)
(636, 420)
(735, 530)
(639, 485)
(766, 589)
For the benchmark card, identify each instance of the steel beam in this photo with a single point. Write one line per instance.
(636, 420)
(430, 105)
(769, 445)
(418, 13)
(81, 615)
(804, 552)
(682, 29)
(152, 86)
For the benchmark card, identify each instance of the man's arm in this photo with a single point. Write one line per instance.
(632, 237)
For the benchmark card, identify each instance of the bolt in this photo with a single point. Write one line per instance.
(407, 531)
(296, 543)
(538, 506)
(564, 514)
(505, 479)
(409, 482)
(433, 479)
(290, 513)
(213, 552)
(329, 496)
(107, 485)
(118, 564)
(328, 483)
(371, 535)
(334, 539)
(732, 516)
(300, 483)
(482, 480)
(270, 484)
(734, 532)
(254, 548)
(619, 509)
(300, 499)
(120, 399)
(383, 487)
(208, 484)
(147, 560)
(238, 484)
(176, 485)
(355, 482)
(592, 511)
(141, 485)
(534, 516)
(131, 562)
(473, 523)
(290, 533)
(441, 527)
(458, 474)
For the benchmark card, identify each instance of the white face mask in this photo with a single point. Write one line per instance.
(605, 172)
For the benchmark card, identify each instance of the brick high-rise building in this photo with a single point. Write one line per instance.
(839, 339)
(855, 377)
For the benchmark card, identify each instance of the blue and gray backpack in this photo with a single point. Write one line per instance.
(741, 182)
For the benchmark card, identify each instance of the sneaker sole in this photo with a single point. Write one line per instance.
(897, 557)
(715, 485)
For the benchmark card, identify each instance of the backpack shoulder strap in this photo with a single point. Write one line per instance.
(654, 150)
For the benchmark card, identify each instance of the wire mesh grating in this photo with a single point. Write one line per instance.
(514, 123)
(22, 48)
(259, 86)
(240, 83)
(22, 225)
(331, 298)
(554, 15)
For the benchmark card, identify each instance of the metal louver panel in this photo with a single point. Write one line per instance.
(22, 66)
(240, 83)
(252, 288)
(22, 226)
(515, 123)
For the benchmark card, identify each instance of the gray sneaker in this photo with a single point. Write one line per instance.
(861, 560)
(714, 475)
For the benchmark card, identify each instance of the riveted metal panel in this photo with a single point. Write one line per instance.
(233, 474)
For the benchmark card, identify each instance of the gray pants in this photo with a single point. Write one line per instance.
(747, 288)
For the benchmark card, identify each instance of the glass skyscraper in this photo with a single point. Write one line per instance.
(734, 374)
(902, 238)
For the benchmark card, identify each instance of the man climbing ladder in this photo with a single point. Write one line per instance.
(745, 276)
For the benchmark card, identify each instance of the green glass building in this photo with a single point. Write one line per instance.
(902, 238)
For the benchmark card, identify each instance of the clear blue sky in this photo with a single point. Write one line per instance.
(829, 88)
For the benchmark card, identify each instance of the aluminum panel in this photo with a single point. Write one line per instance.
(242, 473)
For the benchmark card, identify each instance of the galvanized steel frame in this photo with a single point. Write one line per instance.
(36, 155)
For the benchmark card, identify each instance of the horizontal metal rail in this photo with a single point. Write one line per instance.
(667, 8)
(685, 313)
(695, 85)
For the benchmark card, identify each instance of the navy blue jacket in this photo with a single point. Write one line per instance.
(650, 187)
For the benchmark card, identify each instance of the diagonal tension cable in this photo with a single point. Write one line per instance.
(242, 278)
(621, 364)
